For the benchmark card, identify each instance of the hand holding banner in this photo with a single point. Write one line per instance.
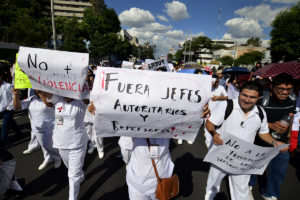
(149, 104)
(237, 156)
(58, 72)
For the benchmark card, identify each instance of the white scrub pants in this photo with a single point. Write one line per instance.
(134, 195)
(73, 160)
(239, 188)
(95, 140)
(208, 139)
(33, 143)
(50, 153)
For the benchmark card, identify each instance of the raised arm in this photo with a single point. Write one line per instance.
(16, 100)
(44, 96)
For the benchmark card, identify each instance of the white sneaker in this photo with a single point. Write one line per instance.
(269, 198)
(101, 154)
(28, 151)
(179, 141)
(91, 150)
(44, 165)
(250, 193)
(57, 164)
(15, 186)
(190, 142)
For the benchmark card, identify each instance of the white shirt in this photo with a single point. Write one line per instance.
(219, 91)
(250, 125)
(140, 174)
(41, 116)
(233, 92)
(6, 97)
(295, 126)
(69, 129)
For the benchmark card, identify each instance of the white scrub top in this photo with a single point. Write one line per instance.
(69, 129)
(140, 175)
(219, 91)
(236, 124)
(41, 116)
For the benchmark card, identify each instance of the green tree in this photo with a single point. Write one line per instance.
(179, 55)
(285, 35)
(74, 34)
(170, 56)
(215, 47)
(249, 58)
(147, 51)
(226, 60)
(254, 42)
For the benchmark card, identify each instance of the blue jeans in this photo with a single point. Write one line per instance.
(7, 122)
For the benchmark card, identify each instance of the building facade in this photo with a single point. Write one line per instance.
(70, 8)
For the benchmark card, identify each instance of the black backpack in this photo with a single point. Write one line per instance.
(229, 109)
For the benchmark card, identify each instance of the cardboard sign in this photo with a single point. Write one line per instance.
(21, 80)
(127, 65)
(237, 156)
(149, 104)
(156, 64)
(58, 72)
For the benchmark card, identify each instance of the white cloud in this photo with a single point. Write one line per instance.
(156, 27)
(244, 28)
(136, 17)
(263, 13)
(285, 1)
(162, 18)
(163, 40)
(176, 10)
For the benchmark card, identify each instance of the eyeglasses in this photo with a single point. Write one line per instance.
(280, 89)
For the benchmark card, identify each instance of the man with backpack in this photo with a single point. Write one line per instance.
(242, 118)
(279, 107)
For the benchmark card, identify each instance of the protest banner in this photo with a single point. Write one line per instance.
(58, 72)
(156, 64)
(237, 156)
(151, 104)
(21, 80)
(127, 65)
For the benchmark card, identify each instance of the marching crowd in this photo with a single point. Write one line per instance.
(253, 111)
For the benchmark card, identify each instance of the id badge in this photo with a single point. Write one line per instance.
(59, 120)
(154, 151)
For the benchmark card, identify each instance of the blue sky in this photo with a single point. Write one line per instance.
(166, 22)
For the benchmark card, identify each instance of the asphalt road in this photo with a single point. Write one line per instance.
(105, 178)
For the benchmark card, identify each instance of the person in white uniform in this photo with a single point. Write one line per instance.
(95, 141)
(33, 143)
(218, 95)
(70, 137)
(42, 124)
(243, 122)
(140, 176)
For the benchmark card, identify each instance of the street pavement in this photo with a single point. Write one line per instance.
(105, 178)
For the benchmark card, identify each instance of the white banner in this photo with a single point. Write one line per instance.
(58, 72)
(237, 156)
(161, 63)
(151, 104)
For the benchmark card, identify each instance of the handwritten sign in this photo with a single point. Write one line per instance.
(21, 80)
(127, 65)
(156, 64)
(58, 72)
(152, 104)
(237, 156)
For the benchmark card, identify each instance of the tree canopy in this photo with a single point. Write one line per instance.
(254, 42)
(227, 60)
(249, 58)
(285, 35)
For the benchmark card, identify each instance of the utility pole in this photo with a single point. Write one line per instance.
(53, 24)
(185, 46)
(219, 22)
(190, 46)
